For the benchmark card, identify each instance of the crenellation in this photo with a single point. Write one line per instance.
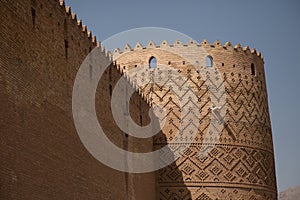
(98, 44)
(62, 3)
(151, 44)
(191, 44)
(246, 48)
(238, 47)
(68, 10)
(127, 48)
(138, 46)
(178, 43)
(128, 78)
(109, 55)
(94, 40)
(253, 51)
(102, 48)
(117, 51)
(228, 46)
(84, 28)
(79, 23)
(258, 53)
(204, 43)
(89, 34)
(217, 43)
(164, 43)
(74, 16)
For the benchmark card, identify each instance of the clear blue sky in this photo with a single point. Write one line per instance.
(271, 27)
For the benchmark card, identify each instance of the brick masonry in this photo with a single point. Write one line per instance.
(42, 157)
(42, 45)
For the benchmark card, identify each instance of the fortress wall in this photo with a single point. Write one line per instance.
(41, 48)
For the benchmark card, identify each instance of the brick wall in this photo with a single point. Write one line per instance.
(41, 48)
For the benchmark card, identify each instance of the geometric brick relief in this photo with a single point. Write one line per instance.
(247, 117)
(231, 166)
(247, 120)
(247, 114)
(214, 193)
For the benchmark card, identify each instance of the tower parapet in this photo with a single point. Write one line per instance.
(204, 44)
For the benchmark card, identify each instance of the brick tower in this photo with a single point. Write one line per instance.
(241, 163)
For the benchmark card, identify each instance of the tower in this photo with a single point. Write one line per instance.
(239, 159)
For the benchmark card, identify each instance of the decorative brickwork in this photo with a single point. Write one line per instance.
(42, 44)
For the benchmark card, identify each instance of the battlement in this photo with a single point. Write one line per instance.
(82, 27)
(129, 80)
(192, 44)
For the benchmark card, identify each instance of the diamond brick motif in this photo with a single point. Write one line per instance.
(216, 170)
(174, 174)
(252, 178)
(260, 173)
(250, 161)
(188, 169)
(257, 156)
(202, 157)
(239, 153)
(229, 176)
(202, 175)
(228, 158)
(203, 197)
(187, 152)
(241, 171)
(214, 152)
